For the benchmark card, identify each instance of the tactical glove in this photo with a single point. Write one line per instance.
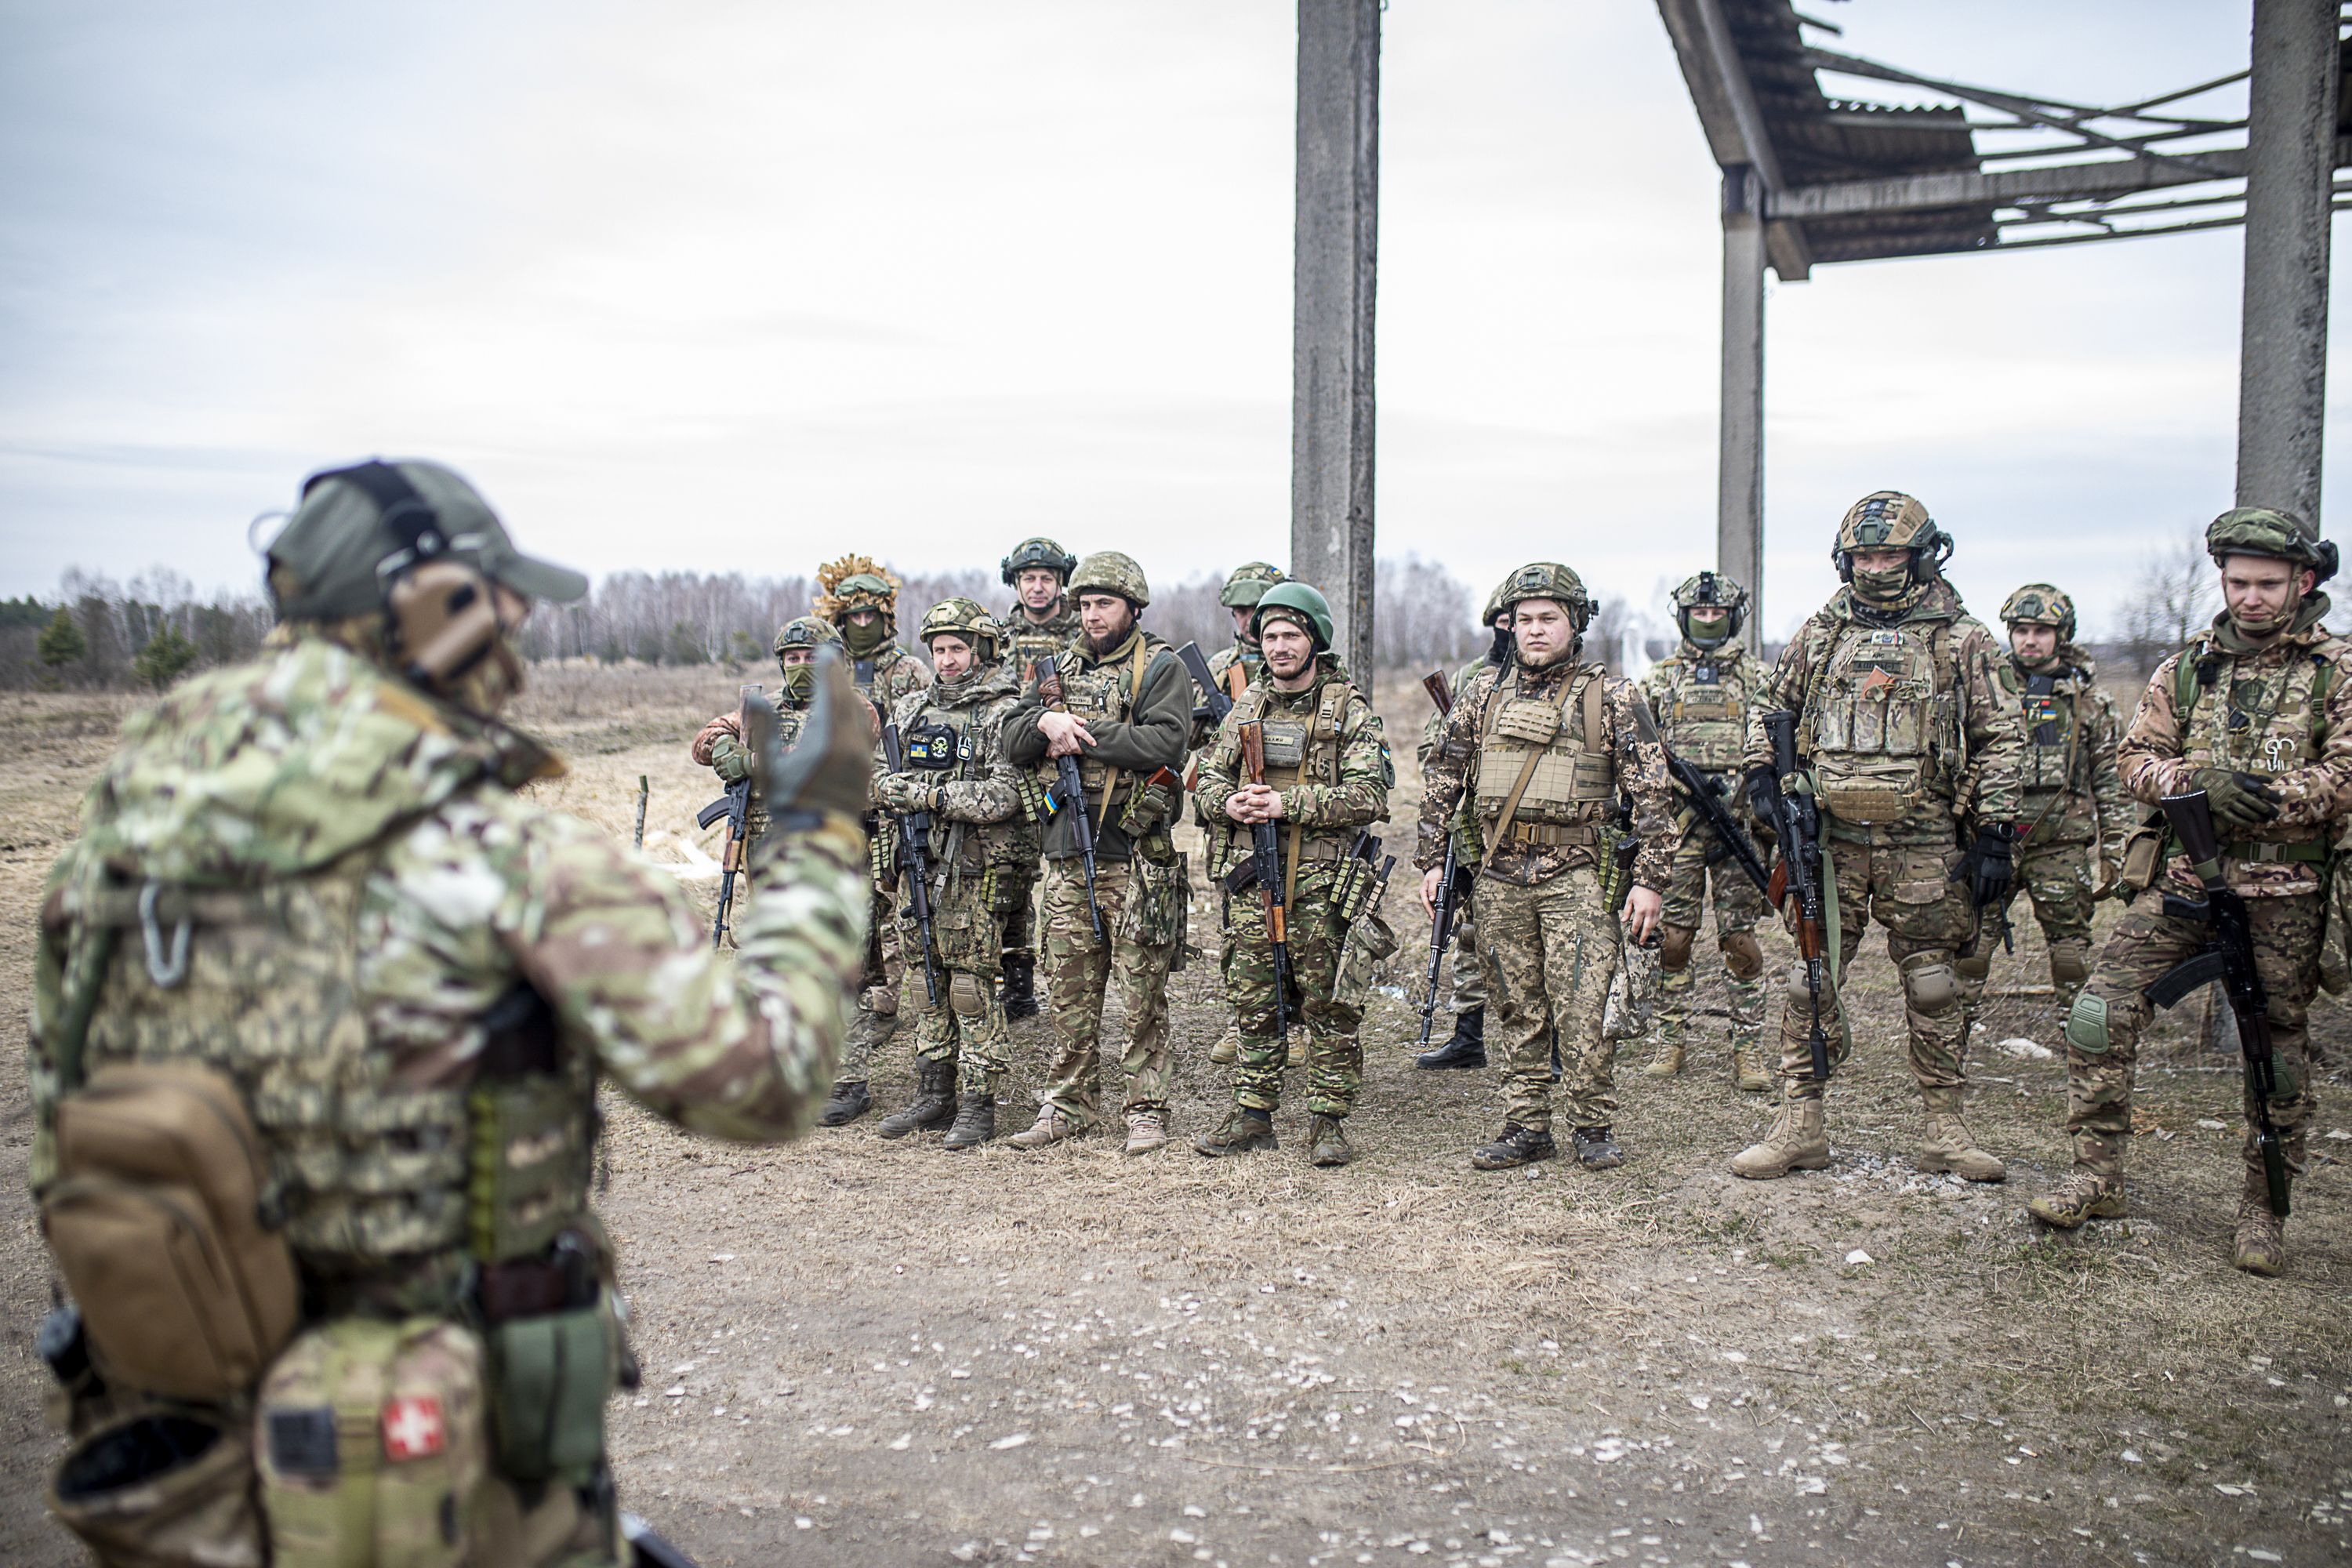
(897, 792)
(730, 759)
(1764, 793)
(2239, 800)
(1985, 870)
(831, 767)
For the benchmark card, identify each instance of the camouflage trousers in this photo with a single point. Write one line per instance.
(2103, 1029)
(2059, 878)
(1469, 975)
(966, 1025)
(1079, 968)
(1550, 952)
(1907, 889)
(877, 1018)
(1737, 907)
(1335, 1060)
(1017, 906)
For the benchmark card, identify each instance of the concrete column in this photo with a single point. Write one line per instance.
(2283, 343)
(1739, 453)
(1332, 338)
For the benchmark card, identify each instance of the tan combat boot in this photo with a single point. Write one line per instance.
(1327, 1140)
(1795, 1143)
(1146, 1131)
(1228, 1047)
(2084, 1195)
(1669, 1060)
(1948, 1145)
(2261, 1234)
(1051, 1127)
(1747, 1073)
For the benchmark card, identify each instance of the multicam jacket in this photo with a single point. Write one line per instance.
(1028, 641)
(2283, 713)
(1629, 744)
(1325, 754)
(1901, 717)
(2071, 790)
(1137, 702)
(371, 907)
(1701, 696)
(890, 675)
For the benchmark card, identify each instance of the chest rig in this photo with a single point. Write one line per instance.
(2251, 719)
(1107, 691)
(1030, 642)
(2050, 704)
(950, 746)
(1546, 773)
(1883, 716)
(1302, 747)
(1705, 713)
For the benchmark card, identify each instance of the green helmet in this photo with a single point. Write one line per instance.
(804, 631)
(1495, 605)
(356, 527)
(2267, 531)
(1111, 572)
(1889, 520)
(1038, 552)
(1293, 601)
(1248, 585)
(1710, 590)
(1549, 580)
(2040, 604)
(968, 619)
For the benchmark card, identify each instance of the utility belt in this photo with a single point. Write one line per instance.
(1573, 835)
(2269, 851)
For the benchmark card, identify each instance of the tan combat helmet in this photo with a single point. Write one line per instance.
(1547, 580)
(810, 632)
(968, 619)
(1889, 520)
(2040, 604)
(2267, 531)
(1112, 571)
(1710, 590)
(1248, 585)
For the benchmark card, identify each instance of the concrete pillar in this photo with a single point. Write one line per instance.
(1331, 337)
(1739, 452)
(2289, 168)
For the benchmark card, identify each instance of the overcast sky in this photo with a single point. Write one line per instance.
(709, 286)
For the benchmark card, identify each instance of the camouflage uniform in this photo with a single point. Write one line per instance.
(1137, 701)
(724, 733)
(1548, 942)
(1469, 978)
(1231, 670)
(1030, 642)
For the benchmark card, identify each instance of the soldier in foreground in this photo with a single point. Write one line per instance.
(1543, 748)
(322, 1000)
(1324, 780)
(1700, 695)
(2257, 713)
(1898, 710)
(1041, 624)
(956, 798)
(1234, 668)
(1106, 725)
(1466, 1047)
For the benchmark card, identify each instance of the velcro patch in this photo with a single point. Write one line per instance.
(303, 1443)
(413, 1428)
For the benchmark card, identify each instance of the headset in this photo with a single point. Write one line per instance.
(443, 613)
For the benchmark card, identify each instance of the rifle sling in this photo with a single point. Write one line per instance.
(1134, 690)
(1830, 921)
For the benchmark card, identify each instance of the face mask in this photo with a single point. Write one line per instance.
(1883, 587)
(863, 640)
(1499, 651)
(1720, 635)
(800, 684)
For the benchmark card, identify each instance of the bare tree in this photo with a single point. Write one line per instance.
(2175, 595)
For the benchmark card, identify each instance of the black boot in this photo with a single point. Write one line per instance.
(1466, 1048)
(975, 1120)
(1596, 1149)
(850, 1102)
(1020, 984)
(934, 1104)
(1514, 1145)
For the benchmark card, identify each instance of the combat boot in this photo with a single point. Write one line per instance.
(2084, 1195)
(1052, 1126)
(1327, 1141)
(1514, 1145)
(1295, 1054)
(1243, 1132)
(1795, 1143)
(934, 1104)
(975, 1120)
(1748, 1074)
(1668, 1062)
(1146, 1131)
(1948, 1145)
(1020, 985)
(1228, 1047)
(848, 1102)
(1466, 1048)
(2261, 1234)
(1596, 1148)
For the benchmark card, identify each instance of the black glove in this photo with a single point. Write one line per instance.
(2239, 800)
(1764, 793)
(831, 767)
(1986, 869)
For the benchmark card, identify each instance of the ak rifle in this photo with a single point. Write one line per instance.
(735, 806)
(1449, 896)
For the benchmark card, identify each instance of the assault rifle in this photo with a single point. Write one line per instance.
(1449, 897)
(1263, 870)
(1069, 793)
(1729, 835)
(1798, 823)
(734, 806)
(1219, 704)
(915, 856)
(2228, 958)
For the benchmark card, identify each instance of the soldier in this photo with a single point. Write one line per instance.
(1041, 624)
(2075, 811)
(355, 996)
(1700, 696)
(721, 746)
(1235, 667)
(2257, 712)
(1120, 707)
(861, 601)
(1544, 748)
(1898, 710)
(951, 736)
(1327, 779)
(1466, 1047)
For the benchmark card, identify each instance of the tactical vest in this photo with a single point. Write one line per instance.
(1300, 748)
(789, 723)
(941, 747)
(1703, 708)
(2267, 720)
(1028, 642)
(1547, 772)
(2050, 703)
(1882, 720)
(1105, 691)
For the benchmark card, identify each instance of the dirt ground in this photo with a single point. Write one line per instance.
(878, 1353)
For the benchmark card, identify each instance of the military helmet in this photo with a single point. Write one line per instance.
(1248, 585)
(1293, 601)
(1494, 603)
(1549, 580)
(2040, 604)
(2267, 531)
(1111, 572)
(1710, 590)
(864, 591)
(1889, 520)
(968, 619)
(804, 631)
(1040, 552)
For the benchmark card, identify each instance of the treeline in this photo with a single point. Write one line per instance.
(98, 633)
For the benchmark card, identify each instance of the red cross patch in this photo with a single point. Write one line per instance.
(413, 1428)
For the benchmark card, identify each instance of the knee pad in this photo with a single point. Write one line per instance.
(2070, 963)
(1674, 947)
(1740, 954)
(1931, 986)
(2087, 1025)
(1798, 992)
(966, 996)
